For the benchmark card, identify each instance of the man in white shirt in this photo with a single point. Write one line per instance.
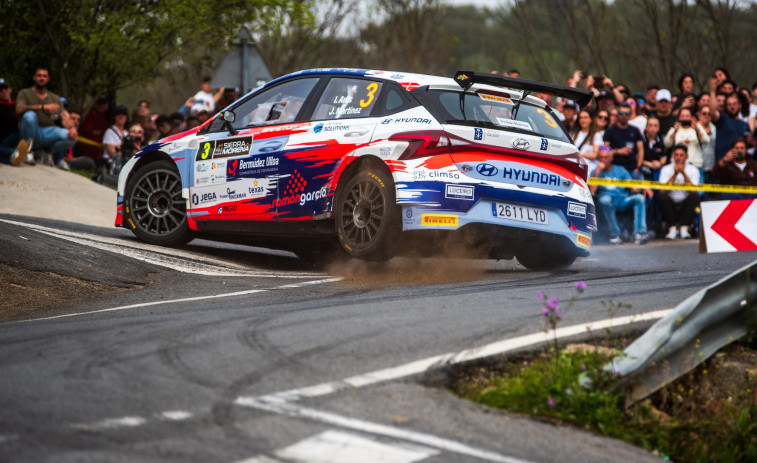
(204, 100)
(679, 172)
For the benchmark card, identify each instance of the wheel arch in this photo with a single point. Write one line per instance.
(358, 164)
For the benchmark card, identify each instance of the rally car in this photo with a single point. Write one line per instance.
(373, 163)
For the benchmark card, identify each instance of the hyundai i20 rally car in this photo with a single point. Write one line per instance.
(375, 163)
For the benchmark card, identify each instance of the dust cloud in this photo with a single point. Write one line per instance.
(412, 270)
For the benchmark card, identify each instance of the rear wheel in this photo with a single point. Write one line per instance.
(155, 210)
(367, 216)
(546, 258)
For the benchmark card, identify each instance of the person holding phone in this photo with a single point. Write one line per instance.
(687, 131)
(736, 168)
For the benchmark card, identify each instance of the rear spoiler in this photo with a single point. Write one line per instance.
(467, 78)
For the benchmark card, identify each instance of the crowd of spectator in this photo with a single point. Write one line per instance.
(38, 126)
(686, 138)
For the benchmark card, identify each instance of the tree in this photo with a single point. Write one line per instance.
(100, 46)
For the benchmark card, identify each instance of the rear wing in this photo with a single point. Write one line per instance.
(467, 78)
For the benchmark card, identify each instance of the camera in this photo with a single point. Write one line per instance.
(584, 74)
(686, 123)
(128, 147)
(739, 155)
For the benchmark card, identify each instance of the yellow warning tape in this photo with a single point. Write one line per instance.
(708, 187)
(87, 141)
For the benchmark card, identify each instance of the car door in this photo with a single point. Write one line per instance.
(237, 164)
(342, 123)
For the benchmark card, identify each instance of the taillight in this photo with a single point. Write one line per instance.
(423, 144)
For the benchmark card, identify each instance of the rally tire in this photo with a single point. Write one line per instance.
(366, 215)
(546, 258)
(154, 208)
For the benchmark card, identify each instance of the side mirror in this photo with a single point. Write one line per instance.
(228, 118)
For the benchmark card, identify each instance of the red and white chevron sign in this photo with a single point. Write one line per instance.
(730, 226)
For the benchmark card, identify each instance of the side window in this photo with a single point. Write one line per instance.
(393, 100)
(347, 98)
(276, 105)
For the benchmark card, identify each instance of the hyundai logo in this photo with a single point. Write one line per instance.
(521, 144)
(486, 170)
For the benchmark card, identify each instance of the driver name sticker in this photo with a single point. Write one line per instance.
(499, 99)
(232, 147)
(512, 123)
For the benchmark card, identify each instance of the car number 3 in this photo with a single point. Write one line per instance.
(547, 118)
(372, 87)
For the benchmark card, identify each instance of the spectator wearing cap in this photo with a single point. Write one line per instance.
(626, 142)
(12, 150)
(40, 110)
(115, 133)
(665, 110)
(728, 123)
(93, 128)
(569, 112)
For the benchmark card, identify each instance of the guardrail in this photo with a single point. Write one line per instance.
(696, 329)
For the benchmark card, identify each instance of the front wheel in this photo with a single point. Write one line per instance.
(155, 210)
(367, 216)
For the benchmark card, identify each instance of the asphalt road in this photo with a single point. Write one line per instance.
(226, 353)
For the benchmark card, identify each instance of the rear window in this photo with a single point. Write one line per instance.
(499, 112)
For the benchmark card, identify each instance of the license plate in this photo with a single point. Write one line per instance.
(520, 213)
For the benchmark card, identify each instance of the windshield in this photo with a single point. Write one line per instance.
(499, 112)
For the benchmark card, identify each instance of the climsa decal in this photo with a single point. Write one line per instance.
(439, 220)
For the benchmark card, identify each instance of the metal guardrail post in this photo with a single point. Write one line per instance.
(696, 329)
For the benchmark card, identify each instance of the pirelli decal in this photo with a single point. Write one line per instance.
(439, 220)
(583, 240)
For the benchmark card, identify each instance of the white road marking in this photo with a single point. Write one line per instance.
(113, 423)
(341, 447)
(420, 366)
(172, 301)
(169, 258)
(176, 415)
(426, 440)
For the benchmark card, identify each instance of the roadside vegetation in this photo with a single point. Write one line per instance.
(707, 415)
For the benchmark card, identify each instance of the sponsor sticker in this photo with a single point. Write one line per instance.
(439, 220)
(583, 240)
(232, 147)
(478, 134)
(459, 192)
(577, 209)
(505, 122)
(544, 144)
(499, 99)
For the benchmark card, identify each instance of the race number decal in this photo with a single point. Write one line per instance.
(372, 88)
(547, 118)
(205, 152)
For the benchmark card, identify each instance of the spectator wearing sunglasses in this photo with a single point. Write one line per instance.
(626, 142)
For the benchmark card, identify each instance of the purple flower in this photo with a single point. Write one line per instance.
(553, 303)
(540, 296)
(551, 402)
(558, 315)
(580, 286)
(583, 367)
(545, 312)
